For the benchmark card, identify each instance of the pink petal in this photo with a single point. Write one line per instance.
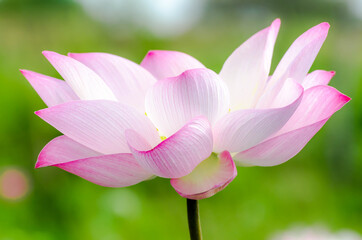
(246, 70)
(179, 154)
(164, 64)
(51, 90)
(99, 124)
(209, 177)
(296, 62)
(62, 149)
(85, 83)
(318, 105)
(128, 81)
(117, 170)
(172, 102)
(243, 129)
(318, 77)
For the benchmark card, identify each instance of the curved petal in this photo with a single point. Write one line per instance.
(127, 80)
(247, 68)
(296, 62)
(117, 170)
(318, 77)
(99, 124)
(84, 82)
(209, 177)
(164, 64)
(243, 129)
(179, 154)
(318, 105)
(51, 90)
(172, 102)
(63, 149)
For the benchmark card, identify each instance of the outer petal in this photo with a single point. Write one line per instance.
(243, 129)
(318, 77)
(209, 177)
(296, 62)
(164, 64)
(117, 170)
(247, 69)
(85, 83)
(174, 101)
(128, 81)
(51, 90)
(99, 124)
(318, 105)
(63, 149)
(179, 154)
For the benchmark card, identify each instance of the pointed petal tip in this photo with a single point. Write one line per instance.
(322, 28)
(276, 22)
(41, 161)
(325, 25)
(48, 53)
(39, 112)
(38, 165)
(25, 72)
(345, 98)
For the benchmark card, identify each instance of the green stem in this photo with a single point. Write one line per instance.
(194, 219)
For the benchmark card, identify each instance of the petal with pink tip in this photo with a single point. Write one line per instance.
(209, 177)
(116, 170)
(179, 154)
(51, 90)
(84, 82)
(127, 80)
(247, 68)
(63, 149)
(99, 124)
(296, 62)
(318, 77)
(318, 105)
(172, 102)
(164, 64)
(242, 129)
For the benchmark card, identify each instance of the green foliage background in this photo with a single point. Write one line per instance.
(321, 185)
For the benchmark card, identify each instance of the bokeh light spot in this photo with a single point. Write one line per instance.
(14, 184)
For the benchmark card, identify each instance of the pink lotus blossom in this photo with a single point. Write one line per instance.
(195, 120)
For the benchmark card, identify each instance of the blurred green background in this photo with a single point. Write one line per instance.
(322, 185)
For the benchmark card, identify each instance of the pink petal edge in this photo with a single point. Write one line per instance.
(292, 138)
(179, 154)
(205, 181)
(163, 64)
(51, 90)
(115, 170)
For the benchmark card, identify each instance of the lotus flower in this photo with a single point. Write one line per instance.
(197, 125)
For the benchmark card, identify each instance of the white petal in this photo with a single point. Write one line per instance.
(296, 62)
(85, 83)
(243, 129)
(99, 124)
(172, 102)
(179, 154)
(164, 64)
(127, 80)
(247, 69)
(51, 90)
